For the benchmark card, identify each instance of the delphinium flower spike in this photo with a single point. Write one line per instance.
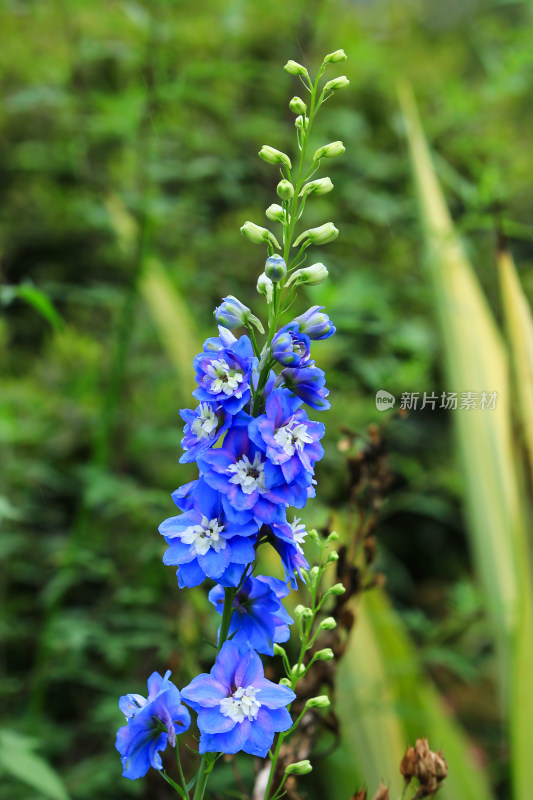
(256, 449)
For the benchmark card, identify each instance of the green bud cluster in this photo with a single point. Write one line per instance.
(297, 184)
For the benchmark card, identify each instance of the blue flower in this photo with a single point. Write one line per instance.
(287, 435)
(204, 543)
(238, 708)
(309, 384)
(291, 347)
(287, 538)
(247, 480)
(259, 618)
(224, 371)
(315, 324)
(203, 427)
(151, 723)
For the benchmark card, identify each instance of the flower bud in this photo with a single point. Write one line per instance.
(327, 624)
(322, 235)
(273, 156)
(298, 670)
(317, 326)
(332, 558)
(257, 234)
(333, 536)
(331, 150)
(335, 57)
(313, 534)
(336, 83)
(299, 768)
(293, 68)
(285, 189)
(312, 276)
(299, 610)
(324, 655)
(322, 701)
(278, 650)
(314, 572)
(275, 268)
(285, 682)
(275, 213)
(318, 187)
(232, 314)
(301, 122)
(297, 105)
(337, 589)
(265, 287)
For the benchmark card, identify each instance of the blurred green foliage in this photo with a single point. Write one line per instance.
(129, 134)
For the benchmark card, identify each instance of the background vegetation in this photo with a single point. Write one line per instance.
(129, 134)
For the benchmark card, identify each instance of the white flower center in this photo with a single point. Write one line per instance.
(206, 423)
(249, 476)
(204, 536)
(241, 704)
(225, 379)
(299, 533)
(292, 436)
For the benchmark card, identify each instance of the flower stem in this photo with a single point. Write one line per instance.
(227, 614)
(203, 774)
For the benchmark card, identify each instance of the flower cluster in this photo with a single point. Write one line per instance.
(256, 449)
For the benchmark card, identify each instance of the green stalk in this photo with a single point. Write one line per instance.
(203, 775)
(227, 614)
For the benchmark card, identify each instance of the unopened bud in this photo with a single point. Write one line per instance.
(313, 534)
(285, 682)
(337, 83)
(318, 187)
(297, 105)
(337, 589)
(293, 68)
(322, 701)
(335, 57)
(324, 655)
(265, 287)
(334, 556)
(301, 122)
(300, 610)
(297, 670)
(256, 234)
(311, 276)
(273, 156)
(331, 150)
(321, 235)
(333, 536)
(275, 213)
(314, 572)
(299, 768)
(275, 268)
(278, 650)
(327, 624)
(232, 314)
(285, 189)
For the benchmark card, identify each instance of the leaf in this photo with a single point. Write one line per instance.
(18, 759)
(384, 703)
(475, 360)
(519, 324)
(41, 303)
(173, 321)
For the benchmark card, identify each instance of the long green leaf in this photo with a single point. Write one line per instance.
(173, 321)
(384, 703)
(18, 760)
(519, 324)
(476, 361)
